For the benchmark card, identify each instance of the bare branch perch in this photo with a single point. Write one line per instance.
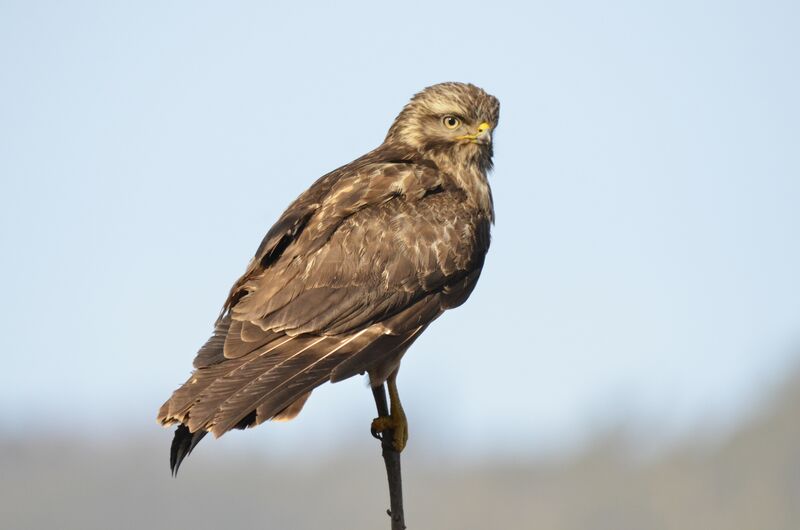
(392, 460)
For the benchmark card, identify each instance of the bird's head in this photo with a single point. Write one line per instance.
(455, 120)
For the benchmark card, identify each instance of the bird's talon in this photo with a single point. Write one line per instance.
(380, 425)
(376, 432)
(398, 427)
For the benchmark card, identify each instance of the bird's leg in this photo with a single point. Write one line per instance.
(395, 423)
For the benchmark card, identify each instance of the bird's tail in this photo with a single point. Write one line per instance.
(182, 445)
(271, 382)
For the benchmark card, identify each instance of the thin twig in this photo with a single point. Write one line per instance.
(392, 460)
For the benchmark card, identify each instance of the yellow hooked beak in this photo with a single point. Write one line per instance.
(483, 136)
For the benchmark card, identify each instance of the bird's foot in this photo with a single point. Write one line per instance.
(395, 425)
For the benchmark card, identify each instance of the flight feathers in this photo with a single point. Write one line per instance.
(273, 380)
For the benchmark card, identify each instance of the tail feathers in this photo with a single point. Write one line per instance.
(271, 382)
(382, 348)
(274, 390)
(290, 412)
(182, 445)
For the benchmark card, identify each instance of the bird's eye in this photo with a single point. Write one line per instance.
(451, 122)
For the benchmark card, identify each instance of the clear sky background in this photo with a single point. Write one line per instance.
(645, 262)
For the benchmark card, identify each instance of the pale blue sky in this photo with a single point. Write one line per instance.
(644, 264)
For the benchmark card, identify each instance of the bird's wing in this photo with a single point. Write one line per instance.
(381, 240)
(374, 259)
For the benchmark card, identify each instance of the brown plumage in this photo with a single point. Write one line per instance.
(353, 271)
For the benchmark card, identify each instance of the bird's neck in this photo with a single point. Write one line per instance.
(468, 171)
(472, 179)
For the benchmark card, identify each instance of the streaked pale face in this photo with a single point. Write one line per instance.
(450, 116)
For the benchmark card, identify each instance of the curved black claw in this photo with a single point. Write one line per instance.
(377, 434)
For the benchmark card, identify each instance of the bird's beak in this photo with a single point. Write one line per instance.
(482, 136)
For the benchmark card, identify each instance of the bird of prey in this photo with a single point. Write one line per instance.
(351, 274)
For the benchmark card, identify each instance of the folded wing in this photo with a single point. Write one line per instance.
(350, 275)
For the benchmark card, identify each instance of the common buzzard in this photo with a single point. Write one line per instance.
(351, 274)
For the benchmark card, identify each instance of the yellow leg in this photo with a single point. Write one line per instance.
(395, 422)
